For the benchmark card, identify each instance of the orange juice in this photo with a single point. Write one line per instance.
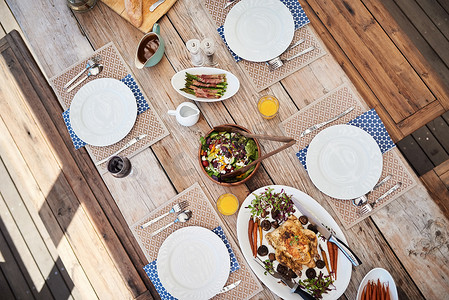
(227, 204)
(268, 106)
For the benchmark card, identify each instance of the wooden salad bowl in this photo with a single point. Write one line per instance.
(229, 184)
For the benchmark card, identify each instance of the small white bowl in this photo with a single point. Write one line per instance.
(178, 82)
(384, 277)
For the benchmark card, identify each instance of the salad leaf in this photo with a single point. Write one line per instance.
(251, 149)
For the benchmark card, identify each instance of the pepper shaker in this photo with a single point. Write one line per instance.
(208, 47)
(196, 56)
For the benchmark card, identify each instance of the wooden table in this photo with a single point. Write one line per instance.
(408, 237)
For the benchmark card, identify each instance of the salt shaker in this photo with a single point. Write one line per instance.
(208, 47)
(196, 56)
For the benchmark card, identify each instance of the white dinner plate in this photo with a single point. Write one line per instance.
(384, 277)
(344, 161)
(178, 82)
(193, 263)
(344, 265)
(103, 112)
(259, 30)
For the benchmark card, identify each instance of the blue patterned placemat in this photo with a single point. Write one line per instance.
(371, 123)
(142, 106)
(151, 268)
(299, 17)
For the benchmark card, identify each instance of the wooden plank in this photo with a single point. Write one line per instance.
(426, 27)
(48, 114)
(445, 116)
(421, 56)
(438, 190)
(352, 35)
(415, 155)
(437, 14)
(24, 258)
(427, 141)
(421, 117)
(440, 129)
(10, 267)
(32, 237)
(442, 168)
(5, 290)
(65, 205)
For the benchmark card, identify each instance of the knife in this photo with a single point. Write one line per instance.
(319, 125)
(129, 144)
(229, 287)
(155, 5)
(327, 233)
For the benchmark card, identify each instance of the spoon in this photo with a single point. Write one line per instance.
(183, 216)
(89, 64)
(93, 71)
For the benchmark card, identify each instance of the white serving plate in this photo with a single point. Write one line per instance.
(384, 277)
(193, 263)
(103, 112)
(344, 161)
(178, 82)
(344, 265)
(259, 30)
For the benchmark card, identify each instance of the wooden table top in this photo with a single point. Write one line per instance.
(402, 237)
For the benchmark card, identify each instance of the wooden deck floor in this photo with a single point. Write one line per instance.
(54, 211)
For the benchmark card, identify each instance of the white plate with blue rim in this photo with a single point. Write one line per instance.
(103, 112)
(259, 30)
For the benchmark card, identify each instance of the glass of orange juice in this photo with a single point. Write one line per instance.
(268, 106)
(227, 204)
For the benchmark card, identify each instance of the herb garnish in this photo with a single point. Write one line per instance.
(280, 205)
(317, 286)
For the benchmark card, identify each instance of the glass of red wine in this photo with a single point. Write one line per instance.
(119, 166)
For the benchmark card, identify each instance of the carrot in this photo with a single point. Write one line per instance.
(364, 292)
(255, 239)
(260, 231)
(326, 262)
(335, 259)
(388, 292)
(379, 290)
(331, 255)
(374, 295)
(250, 233)
(368, 290)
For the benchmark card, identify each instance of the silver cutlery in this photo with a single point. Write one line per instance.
(229, 2)
(277, 62)
(175, 209)
(326, 233)
(90, 63)
(155, 5)
(316, 126)
(294, 287)
(182, 217)
(289, 48)
(368, 207)
(364, 198)
(127, 145)
(229, 287)
(93, 71)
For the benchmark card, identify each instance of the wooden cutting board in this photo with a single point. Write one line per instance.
(149, 18)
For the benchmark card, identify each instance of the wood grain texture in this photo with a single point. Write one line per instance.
(382, 240)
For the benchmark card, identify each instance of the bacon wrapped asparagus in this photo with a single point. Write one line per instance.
(205, 86)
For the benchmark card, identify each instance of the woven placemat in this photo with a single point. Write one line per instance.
(115, 67)
(327, 107)
(260, 74)
(204, 215)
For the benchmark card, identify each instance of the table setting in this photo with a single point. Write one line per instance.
(108, 113)
(345, 149)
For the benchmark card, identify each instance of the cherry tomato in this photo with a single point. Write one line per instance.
(205, 163)
(211, 146)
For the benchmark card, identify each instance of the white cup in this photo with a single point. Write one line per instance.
(187, 114)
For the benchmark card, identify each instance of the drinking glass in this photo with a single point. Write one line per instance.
(268, 106)
(227, 204)
(119, 166)
(81, 5)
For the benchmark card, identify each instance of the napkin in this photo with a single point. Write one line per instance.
(142, 106)
(299, 17)
(371, 123)
(151, 268)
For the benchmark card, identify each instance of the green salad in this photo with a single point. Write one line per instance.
(224, 152)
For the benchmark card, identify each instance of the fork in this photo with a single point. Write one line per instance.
(319, 125)
(90, 63)
(368, 207)
(277, 62)
(175, 209)
(364, 198)
(229, 2)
